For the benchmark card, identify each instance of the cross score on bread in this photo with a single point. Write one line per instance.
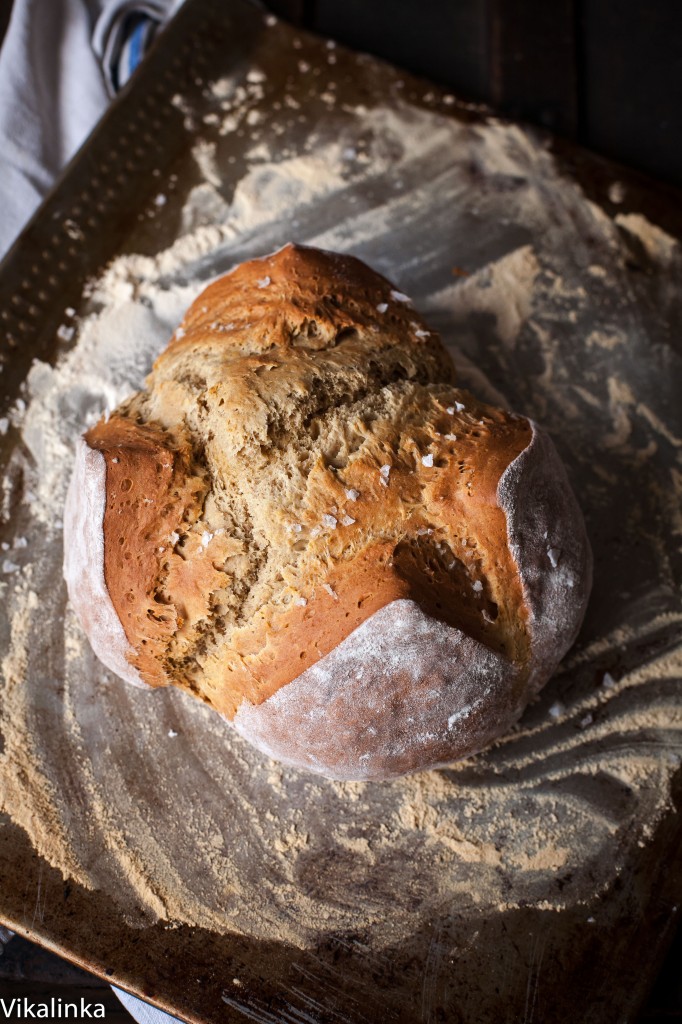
(305, 523)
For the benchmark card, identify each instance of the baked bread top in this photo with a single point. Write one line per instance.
(300, 460)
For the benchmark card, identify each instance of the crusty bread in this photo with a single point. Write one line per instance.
(306, 524)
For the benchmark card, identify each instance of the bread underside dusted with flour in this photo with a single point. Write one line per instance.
(304, 522)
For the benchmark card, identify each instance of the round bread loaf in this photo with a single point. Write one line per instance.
(305, 523)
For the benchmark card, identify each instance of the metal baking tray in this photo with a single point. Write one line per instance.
(522, 884)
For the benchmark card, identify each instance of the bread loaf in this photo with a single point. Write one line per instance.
(304, 522)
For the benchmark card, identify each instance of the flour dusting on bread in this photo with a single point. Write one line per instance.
(84, 563)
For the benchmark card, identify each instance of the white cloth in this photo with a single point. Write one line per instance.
(144, 1013)
(55, 84)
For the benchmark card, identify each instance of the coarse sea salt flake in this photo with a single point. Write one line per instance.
(302, 601)
(9, 567)
(4, 426)
(263, 282)
(557, 709)
(478, 586)
(382, 307)
(295, 527)
(206, 538)
(329, 520)
(400, 296)
(172, 734)
(608, 682)
(20, 542)
(457, 715)
(459, 406)
(330, 590)
(427, 460)
(352, 494)
(553, 554)
(174, 538)
(347, 520)
(450, 437)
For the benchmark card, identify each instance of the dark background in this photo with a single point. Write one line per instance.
(604, 73)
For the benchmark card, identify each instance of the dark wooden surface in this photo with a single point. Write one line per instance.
(605, 74)
(27, 970)
(5, 13)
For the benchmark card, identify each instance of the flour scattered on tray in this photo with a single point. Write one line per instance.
(416, 195)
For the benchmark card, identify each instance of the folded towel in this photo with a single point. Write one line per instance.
(60, 64)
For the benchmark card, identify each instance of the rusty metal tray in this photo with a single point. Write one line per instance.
(524, 884)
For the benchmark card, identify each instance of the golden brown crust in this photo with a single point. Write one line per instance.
(149, 489)
(305, 462)
(299, 298)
